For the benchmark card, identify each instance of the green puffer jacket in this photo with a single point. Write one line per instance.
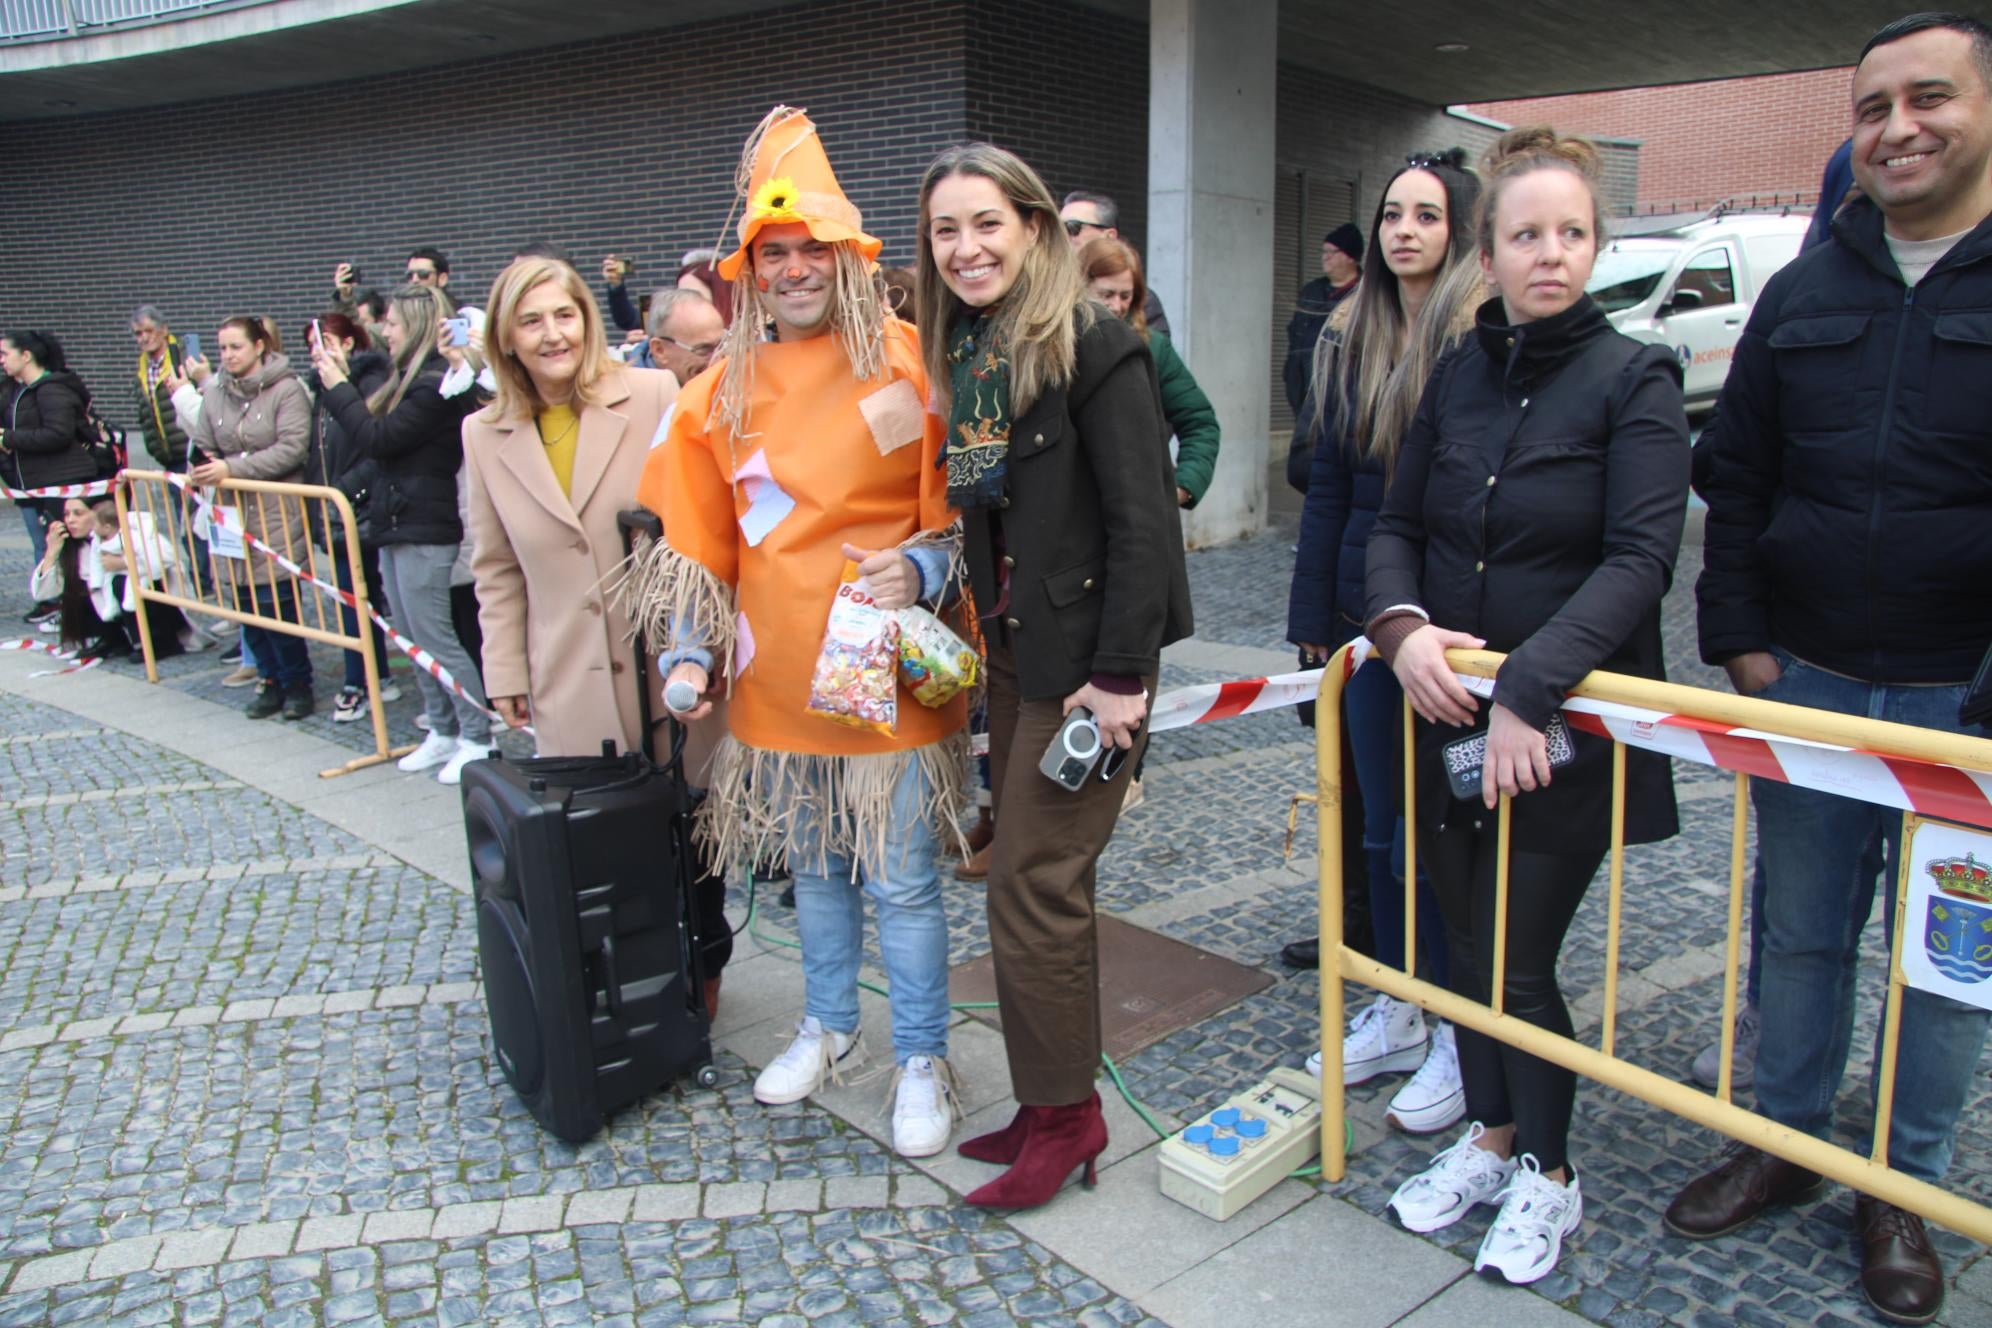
(1189, 416)
(164, 438)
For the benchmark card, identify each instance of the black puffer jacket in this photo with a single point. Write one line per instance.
(1538, 503)
(1849, 487)
(333, 458)
(418, 446)
(44, 424)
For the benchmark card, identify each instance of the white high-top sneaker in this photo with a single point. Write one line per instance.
(923, 1107)
(1434, 1098)
(436, 749)
(800, 1069)
(1389, 1035)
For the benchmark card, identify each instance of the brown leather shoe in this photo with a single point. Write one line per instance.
(977, 867)
(1901, 1275)
(1748, 1183)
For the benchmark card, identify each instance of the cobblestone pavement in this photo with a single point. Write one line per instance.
(245, 1076)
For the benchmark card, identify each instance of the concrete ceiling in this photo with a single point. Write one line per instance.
(1513, 50)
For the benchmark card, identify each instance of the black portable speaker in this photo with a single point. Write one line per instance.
(581, 868)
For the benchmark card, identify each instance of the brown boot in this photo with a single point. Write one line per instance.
(979, 834)
(977, 867)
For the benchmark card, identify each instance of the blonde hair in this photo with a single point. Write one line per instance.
(421, 310)
(518, 396)
(1377, 385)
(1109, 256)
(1539, 148)
(1042, 313)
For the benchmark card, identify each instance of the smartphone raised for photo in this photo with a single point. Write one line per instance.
(456, 331)
(190, 346)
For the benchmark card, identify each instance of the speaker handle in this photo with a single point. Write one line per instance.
(633, 522)
(612, 977)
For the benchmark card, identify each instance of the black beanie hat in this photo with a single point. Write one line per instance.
(1346, 238)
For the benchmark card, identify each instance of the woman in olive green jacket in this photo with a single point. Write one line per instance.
(1113, 269)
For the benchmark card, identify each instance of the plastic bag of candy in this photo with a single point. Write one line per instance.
(856, 681)
(936, 664)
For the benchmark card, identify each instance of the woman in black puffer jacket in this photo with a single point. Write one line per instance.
(413, 433)
(333, 461)
(42, 409)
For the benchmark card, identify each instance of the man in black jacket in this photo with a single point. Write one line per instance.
(1849, 544)
(1341, 270)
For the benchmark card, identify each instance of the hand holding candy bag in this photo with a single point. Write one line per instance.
(936, 664)
(856, 679)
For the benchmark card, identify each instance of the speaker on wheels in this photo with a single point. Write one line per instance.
(581, 868)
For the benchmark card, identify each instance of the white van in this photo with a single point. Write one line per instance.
(1691, 286)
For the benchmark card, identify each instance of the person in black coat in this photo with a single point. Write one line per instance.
(1536, 510)
(414, 435)
(42, 413)
(1075, 560)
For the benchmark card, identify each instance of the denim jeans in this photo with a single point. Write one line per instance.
(1373, 705)
(349, 618)
(1819, 893)
(912, 927)
(277, 657)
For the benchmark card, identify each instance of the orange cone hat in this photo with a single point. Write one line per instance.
(788, 179)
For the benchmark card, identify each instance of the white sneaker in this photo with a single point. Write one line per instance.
(1742, 1062)
(1435, 1098)
(923, 1107)
(1462, 1176)
(466, 752)
(1527, 1238)
(799, 1070)
(391, 691)
(436, 749)
(1388, 1036)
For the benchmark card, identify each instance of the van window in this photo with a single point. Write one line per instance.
(1625, 276)
(1709, 275)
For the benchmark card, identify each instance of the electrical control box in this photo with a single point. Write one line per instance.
(1221, 1163)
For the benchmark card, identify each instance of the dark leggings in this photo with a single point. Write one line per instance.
(1505, 1086)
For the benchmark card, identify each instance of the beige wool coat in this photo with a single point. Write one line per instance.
(552, 632)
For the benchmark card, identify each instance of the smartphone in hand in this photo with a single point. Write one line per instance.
(190, 346)
(456, 331)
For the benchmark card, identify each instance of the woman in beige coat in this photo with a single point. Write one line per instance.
(255, 424)
(549, 465)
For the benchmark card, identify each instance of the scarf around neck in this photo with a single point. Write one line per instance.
(978, 443)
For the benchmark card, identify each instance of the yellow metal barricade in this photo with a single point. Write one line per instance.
(1870, 1174)
(155, 512)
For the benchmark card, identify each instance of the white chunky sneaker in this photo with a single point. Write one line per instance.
(799, 1070)
(1742, 1063)
(1527, 1237)
(1462, 1176)
(466, 752)
(1434, 1099)
(436, 749)
(923, 1107)
(1388, 1036)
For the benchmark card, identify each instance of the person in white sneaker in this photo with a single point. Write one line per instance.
(1472, 1171)
(795, 457)
(1536, 510)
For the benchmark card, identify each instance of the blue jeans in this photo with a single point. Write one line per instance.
(278, 657)
(1373, 705)
(1819, 892)
(912, 927)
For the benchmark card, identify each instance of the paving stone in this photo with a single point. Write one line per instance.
(54, 1270)
(734, 1200)
(119, 1258)
(399, 1224)
(321, 1233)
(917, 1192)
(536, 1214)
(263, 1240)
(466, 1219)
(666, 1203)
(193, 1249)
(784, 1196)
(591, 1207)
(856, 1192)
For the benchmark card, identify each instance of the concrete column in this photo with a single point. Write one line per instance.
(1211, 96)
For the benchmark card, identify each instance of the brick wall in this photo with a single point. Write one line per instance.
(1702, 142)
(627, 144)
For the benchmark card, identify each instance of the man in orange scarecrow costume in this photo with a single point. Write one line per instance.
(793, 453)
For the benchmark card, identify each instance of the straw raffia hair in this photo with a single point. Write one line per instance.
(518, 396)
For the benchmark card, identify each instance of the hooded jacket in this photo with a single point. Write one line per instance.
(260, 424)
(418, 446)
(44, 424)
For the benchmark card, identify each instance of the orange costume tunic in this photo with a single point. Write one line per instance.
(754, 529)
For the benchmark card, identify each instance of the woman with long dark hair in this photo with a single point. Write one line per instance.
(413, 434)
(1536, 510)
(1075, 559)
(1419, 288)
(42, 408)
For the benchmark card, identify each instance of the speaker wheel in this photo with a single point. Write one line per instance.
(706, 1077)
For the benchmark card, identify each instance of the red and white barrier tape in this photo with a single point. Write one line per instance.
(33, 646)
(94, 489)
(1927, 788)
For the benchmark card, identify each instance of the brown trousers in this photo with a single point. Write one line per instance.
(1041, 868)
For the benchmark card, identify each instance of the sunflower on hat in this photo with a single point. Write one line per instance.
(774, 203)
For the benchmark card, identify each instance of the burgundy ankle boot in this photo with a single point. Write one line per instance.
(1001, 1145)
(1058, 1140)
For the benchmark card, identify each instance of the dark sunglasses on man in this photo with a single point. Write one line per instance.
(1073, 226)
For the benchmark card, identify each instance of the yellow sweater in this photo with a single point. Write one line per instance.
(560, 431)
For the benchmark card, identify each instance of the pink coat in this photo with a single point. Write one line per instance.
(541, 558)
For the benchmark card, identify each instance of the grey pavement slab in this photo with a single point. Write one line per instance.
(1475, 1302)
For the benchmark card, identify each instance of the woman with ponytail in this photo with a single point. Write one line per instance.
(1536, 509)
(1415, 301)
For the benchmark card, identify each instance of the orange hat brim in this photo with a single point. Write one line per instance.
(830, 232)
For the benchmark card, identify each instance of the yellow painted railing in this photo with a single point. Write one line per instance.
(1870, 1174)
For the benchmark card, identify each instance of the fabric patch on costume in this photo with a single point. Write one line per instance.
(895, 416)
(743, 644)
(768, 504)
(663, 427)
